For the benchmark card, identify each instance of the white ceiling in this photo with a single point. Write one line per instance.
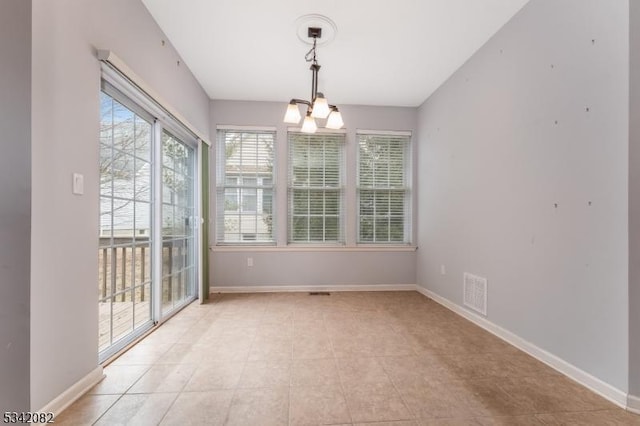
(393, 53)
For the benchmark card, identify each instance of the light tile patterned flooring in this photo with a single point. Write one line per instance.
(383, 358)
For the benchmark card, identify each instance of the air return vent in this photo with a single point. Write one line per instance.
(475, 293)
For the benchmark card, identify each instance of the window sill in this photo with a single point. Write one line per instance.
(308, 248)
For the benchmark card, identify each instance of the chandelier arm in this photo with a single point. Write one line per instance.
(300, 101)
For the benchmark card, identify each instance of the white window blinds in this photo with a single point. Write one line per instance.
(245, 186)
(315, 187)
(383, 188)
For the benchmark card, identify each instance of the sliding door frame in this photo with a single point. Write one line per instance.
(163, 120)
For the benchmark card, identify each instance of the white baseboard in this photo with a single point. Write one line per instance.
(603, 389)
(308, 288)
(68, 397)
(633, 404)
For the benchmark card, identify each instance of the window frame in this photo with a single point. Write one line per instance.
(261, 191)
(406, 190)
(340, 189)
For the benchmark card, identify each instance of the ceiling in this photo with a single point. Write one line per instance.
(393, 53)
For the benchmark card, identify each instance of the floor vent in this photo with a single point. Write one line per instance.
(475, 293)
(319, 293)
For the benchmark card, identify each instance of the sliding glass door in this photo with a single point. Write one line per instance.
(148, 244)
(178, 223)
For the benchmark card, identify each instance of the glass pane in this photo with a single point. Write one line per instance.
(167, 293)
(177, 230)
(249, 200)
(316, 177)
(168, 186)
(168, 221)
(300, 201)
(167, 258)
(316, 229)
(122, 317)
(396, 200)
(124, 264)
(143, 180)
(366, 228)
(142, 220)
(105, 220)
(300, 228)
(122, 221)
(168, 150)
(104, 273)
(142, 304)
(231, 199)
(332, 231)
(382, 229)
(267, 201)
(106, 176)
(366, 202)
(179, 255)
(104, 324)
(332, 203)
(316, 203)
(123, 128)
(122, 175)
(382, 203)
(143, 139)
(396, 229)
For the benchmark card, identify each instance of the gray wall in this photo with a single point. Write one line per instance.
(634, 200)
(506, 139)
(66, 85)
(15, 207)
(282, 266)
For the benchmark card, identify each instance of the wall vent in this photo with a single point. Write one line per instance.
(475, 293)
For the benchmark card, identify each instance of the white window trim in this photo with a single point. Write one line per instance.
(342, 231)
(243, 245)
(408, 167)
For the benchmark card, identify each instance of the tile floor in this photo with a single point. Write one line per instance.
(383, 358)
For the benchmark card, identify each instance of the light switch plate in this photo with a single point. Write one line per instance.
(78, 184)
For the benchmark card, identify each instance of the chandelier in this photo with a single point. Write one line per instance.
(318, 107)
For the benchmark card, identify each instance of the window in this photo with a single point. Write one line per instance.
(245, 186)
(315, 187)
(383, 190)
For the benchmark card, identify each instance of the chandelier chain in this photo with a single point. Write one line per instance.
(308, 56)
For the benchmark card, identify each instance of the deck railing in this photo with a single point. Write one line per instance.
(131, 264)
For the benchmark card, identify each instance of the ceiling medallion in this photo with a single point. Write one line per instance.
(327, 26)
